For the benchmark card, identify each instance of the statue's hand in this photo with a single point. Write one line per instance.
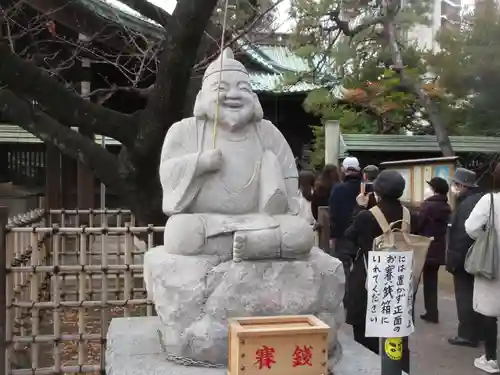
(210, 161)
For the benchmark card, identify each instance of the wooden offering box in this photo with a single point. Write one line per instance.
(278, 345)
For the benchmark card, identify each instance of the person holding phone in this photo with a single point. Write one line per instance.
(367, 198)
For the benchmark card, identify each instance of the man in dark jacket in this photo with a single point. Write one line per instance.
(464, 185)
(341, 206)
(433, 222)
(389, 186)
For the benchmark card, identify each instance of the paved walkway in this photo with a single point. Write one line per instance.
(430, 352)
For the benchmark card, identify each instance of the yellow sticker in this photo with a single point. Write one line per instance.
(394, 348)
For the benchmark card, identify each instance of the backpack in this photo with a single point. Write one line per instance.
(393, 239)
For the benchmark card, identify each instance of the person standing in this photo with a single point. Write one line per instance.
(459, 242)
(486, 300)
(389, 186)
(341, 206)
(323, 185)
(433, 219)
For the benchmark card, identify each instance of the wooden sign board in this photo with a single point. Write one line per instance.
(278, 345)
(417, 172)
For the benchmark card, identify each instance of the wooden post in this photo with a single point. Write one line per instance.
(4, 213)
(4, 164)
(85, 188)
(85, 178)
(332, 142)
(68, 178)
(324, 228)
(52, 178)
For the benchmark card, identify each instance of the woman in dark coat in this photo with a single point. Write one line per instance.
(433, 221)
(328, 177)
(389, 187)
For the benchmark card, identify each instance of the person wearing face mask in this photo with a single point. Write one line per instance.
(467, 195)
(433, 218)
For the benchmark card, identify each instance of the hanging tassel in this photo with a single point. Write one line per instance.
(222, 51)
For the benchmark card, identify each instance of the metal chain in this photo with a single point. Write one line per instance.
(184, 361)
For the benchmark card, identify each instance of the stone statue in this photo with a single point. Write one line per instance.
(240, 195)
(233, 245)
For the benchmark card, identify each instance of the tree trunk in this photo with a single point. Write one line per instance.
(148, 211)
(440, 129)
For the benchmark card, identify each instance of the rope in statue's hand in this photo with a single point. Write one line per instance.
(222, 42)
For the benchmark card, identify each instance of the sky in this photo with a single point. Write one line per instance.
(283, 21)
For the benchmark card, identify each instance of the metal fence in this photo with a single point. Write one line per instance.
(63, 283)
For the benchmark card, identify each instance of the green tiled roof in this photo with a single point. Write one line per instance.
(349, 142)
(284, 58)
(273, 83)
(123, 15)
(416, 143)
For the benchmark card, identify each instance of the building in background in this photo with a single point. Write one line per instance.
(445, 13)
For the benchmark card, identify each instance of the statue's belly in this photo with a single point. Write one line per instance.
(234, 189)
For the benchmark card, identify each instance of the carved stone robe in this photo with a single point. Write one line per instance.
(263, 159)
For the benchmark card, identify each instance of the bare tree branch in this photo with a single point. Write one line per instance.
(69, 142)
(351, 32)
(25, 79)
(389, 10)
(440, 129)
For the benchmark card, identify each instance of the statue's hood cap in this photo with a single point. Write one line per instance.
(229, 63)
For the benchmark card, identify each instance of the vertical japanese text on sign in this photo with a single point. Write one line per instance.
(390, 294)
(265, 357)
(302, 356)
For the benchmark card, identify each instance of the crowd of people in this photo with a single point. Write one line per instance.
(350, 192)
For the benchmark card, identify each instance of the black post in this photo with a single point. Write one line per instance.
(391, 355)
(3, 286)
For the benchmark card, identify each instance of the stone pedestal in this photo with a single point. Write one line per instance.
(134, 349)
(195, 296)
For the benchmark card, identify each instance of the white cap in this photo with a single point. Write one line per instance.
(351, 162)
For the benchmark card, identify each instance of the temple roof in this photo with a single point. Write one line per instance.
(349, 142)
(415, 143)
(274, 58)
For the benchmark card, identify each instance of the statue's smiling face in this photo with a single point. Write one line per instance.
(236, 102)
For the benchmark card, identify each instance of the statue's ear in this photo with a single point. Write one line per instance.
(199, 108)
(258, 111)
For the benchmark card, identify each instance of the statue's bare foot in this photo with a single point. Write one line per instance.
(239, 243)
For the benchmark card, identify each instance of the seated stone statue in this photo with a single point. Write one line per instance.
(234, 245)
(229, 177)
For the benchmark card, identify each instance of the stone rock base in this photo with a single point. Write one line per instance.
(134, 349)
(195, 295)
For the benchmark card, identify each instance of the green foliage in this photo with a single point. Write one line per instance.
(468, 66)
(362, 62)
(318, 147)
(372, 99)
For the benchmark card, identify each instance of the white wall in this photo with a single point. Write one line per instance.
(425, 35)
